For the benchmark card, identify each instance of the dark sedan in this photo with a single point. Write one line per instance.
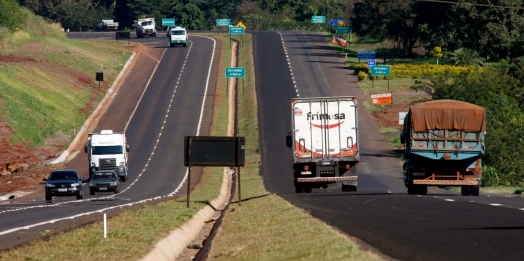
(104, 181)
(63, 183)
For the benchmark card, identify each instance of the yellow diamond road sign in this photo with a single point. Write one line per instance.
(341, 23)
(241, 24)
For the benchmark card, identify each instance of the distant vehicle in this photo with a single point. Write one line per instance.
(106, 25)
(63, 183)
(145, 27)
(104, 181)
(168, 31)
(444, 143)
(324, 142)
(107, 150)
(178, 36)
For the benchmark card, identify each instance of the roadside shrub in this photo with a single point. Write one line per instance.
(361, 67)
(362, 76)
(417, 71)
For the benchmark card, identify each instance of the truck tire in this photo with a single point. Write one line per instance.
(349, 188)
(422, 189)
(465, 190)
(475, 190)
(308, 190)
(117, 190)
(412, 190)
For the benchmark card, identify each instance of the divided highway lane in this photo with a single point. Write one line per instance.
(176, 103)
(439, 226)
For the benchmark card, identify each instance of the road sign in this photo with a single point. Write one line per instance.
(384, 98)
(236, 30)
(242, 24)
(382, 70)
(223, 22)
(235, 72)
(335, 22)
(371, 63)
(366, 55)
(318, 19)
(168, 21)
(343, 29)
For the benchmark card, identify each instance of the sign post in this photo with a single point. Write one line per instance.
(382, 70)
(235, 30)
(222, 22)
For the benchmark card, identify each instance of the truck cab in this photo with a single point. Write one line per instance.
(107, 151)
(145, 27)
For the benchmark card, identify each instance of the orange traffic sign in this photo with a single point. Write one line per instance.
(384, 98)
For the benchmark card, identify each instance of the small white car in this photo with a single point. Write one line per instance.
(178, 36)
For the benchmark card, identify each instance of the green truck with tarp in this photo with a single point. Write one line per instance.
(444, 144)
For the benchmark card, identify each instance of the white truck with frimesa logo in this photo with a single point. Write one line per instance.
(107, 150)
(324, 142)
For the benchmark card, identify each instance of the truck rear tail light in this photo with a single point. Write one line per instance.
(473, 169)
(306, 168)
(348, 166)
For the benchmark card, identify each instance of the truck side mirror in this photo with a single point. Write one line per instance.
(289, 141)
(127, 147)
(85, 148)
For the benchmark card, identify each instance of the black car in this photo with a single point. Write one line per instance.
(63, 183)
(104, 181)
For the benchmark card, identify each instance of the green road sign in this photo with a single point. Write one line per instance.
(223, 22)
(235, 72)
(168, 21)
(381, 70)
(318, 19)
(236, 30)
(343, 29)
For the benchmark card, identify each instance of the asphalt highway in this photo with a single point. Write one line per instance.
(168, 94)
(439, 226)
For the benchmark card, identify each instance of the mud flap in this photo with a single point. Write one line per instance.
(349, 186)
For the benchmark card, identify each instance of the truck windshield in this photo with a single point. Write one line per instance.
(101, 150)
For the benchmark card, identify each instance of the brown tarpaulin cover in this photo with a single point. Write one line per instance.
(449, 115)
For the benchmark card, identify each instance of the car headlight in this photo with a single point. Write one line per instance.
(50, 185)
(112, 183)
(92, 164)
(75, 184)
(122, 163)
(91, 184)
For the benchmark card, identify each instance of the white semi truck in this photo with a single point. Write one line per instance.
(324, 142)
(107, 150)
(145, 27)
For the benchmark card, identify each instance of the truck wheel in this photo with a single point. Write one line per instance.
(349, 188)
(422, 190)
(412, 190)
(299, 189)
(117, 190)
(308, 190)
(124, 178)
(465, 190)
(185, 45)
(474, 190)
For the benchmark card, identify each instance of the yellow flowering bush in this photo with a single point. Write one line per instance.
(417, 71)
(361, 67)
(362, 76)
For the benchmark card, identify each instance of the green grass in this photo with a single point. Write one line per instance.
(45, 93)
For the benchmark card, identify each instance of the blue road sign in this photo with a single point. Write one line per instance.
(366, 55)
(371, 63)
(334, 22)
(235, 72)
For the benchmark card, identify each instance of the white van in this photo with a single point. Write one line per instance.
(178, 36)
